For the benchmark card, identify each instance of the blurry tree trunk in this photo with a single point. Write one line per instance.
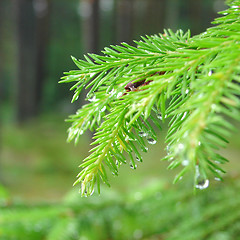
(90, 17)
(26, 107)
(125, 20)
(1, 82)
(32, 29)
(42, 11)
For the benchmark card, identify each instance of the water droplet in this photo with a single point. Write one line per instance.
(142, 134)
(185, 162)
(159, 116)
(202, 184)
(201, 181)
(218, 179)
(133, 167)
(151, 140)
(187, 91)
(216, 161)
(138, 159)
(210, 73)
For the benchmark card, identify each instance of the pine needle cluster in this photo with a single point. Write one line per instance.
(192, 82)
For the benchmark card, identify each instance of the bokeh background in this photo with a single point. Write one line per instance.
(37, 40)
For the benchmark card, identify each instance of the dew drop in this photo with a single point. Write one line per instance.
(202, 183)
(151, 140)
(187, 91)
(217, 179)
(138, 159)
(142, 134)
(159, 116)
(133, 167)
(210, 73)
(87, 194)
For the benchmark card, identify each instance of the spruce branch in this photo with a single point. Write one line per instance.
(192, 81)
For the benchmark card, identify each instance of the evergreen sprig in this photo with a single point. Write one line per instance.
(193, 81)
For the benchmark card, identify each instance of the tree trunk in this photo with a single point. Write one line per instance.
(42, 11)
(25, 104)
(32, 21)
(89, 10)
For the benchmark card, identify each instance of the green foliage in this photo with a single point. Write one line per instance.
(192, 81)
(168, 214)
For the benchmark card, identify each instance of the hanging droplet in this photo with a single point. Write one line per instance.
(138, 159)
(142, 134)
(210, 73)
(202, 184)
(133, 166)
(159, 116)
(187, 91)
(218, 179)
(151, 140)
(87, 194)
(201, 181)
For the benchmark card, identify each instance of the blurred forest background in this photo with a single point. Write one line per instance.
(37, 40)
